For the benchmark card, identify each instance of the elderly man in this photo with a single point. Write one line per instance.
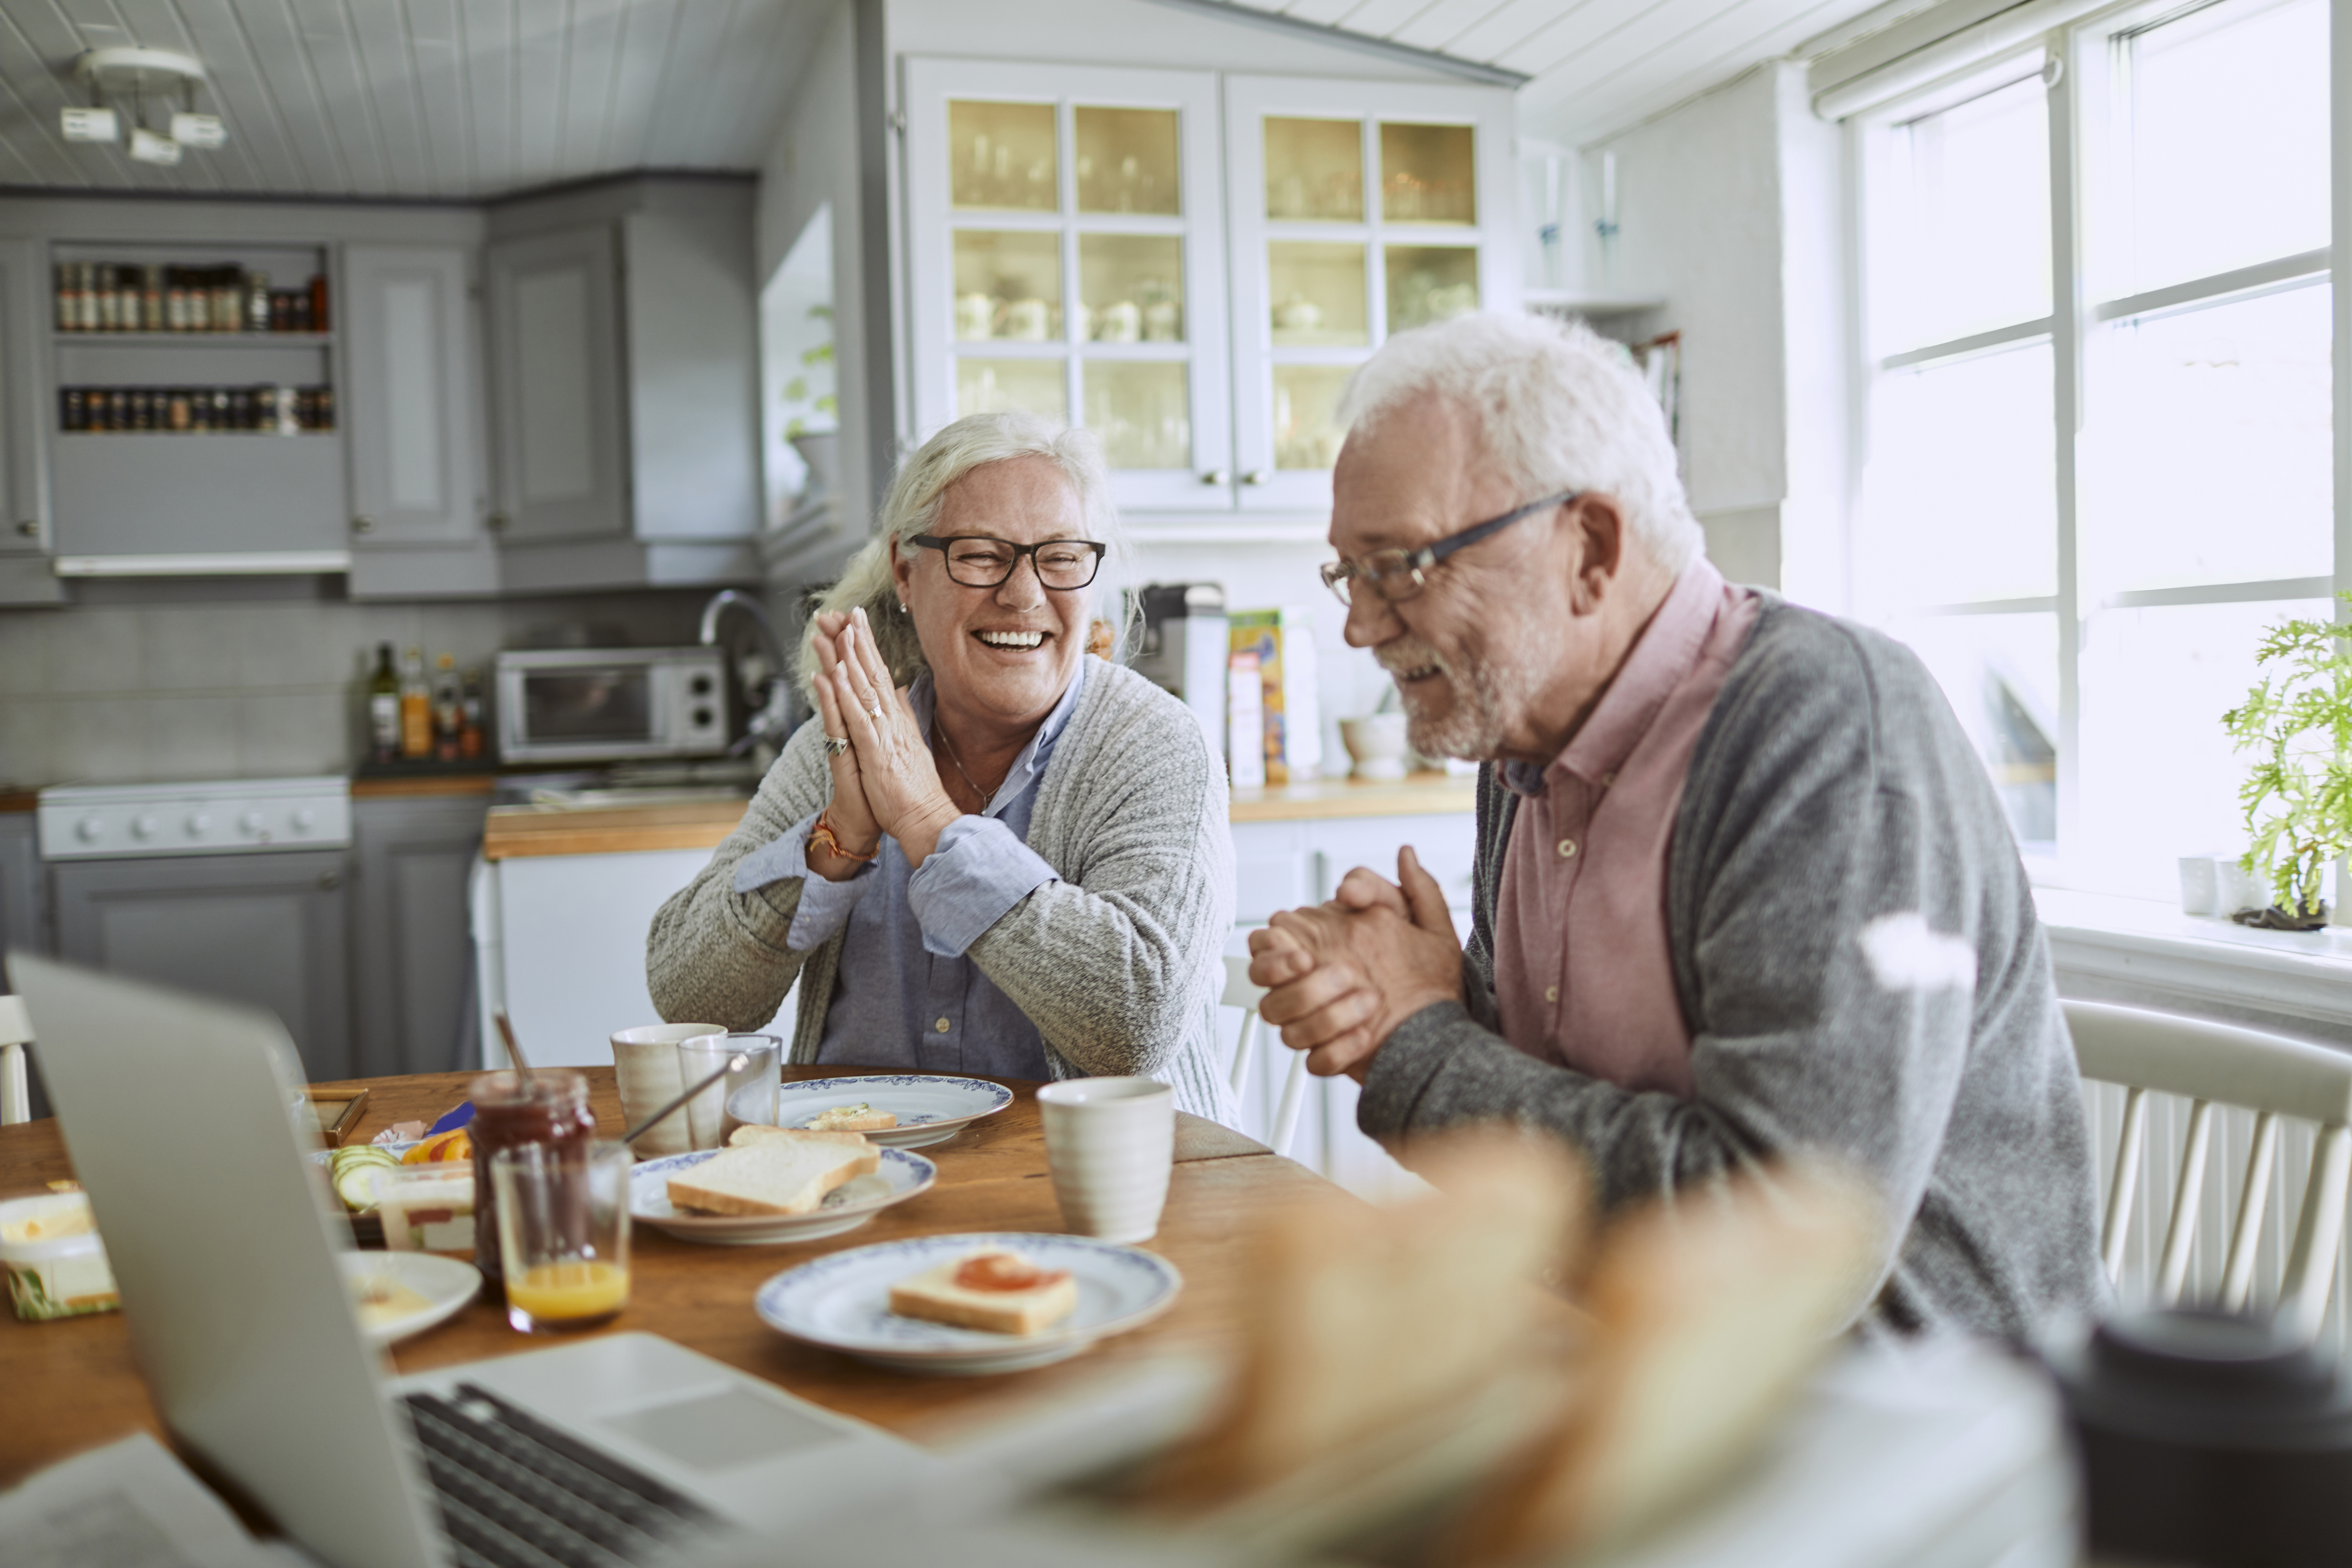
(1743, 889)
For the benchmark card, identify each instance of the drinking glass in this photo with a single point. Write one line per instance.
(748, 1094)
(563, 1232)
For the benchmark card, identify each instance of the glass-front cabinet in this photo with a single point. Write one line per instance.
(1068, 256)
(1073, 234)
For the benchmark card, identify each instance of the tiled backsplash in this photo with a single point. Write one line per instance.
(189, 680)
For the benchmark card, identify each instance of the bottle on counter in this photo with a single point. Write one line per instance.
(151, 300)
(257, 301)
(469, 720)
(384, 705)
(448, 708)
(416, 708)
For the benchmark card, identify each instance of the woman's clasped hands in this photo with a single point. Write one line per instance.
(884, 780)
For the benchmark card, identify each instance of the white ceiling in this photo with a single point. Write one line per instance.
(416, 98)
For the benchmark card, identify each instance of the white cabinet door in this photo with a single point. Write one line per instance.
(1066, 255)
(409, 395)
(561, 428)
(1357, 210)
(24, 326)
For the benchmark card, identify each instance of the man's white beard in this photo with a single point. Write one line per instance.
(1484, 696)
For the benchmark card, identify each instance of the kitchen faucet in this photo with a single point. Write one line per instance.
(766, 677)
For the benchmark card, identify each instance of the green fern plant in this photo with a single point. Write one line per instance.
(2298, 721)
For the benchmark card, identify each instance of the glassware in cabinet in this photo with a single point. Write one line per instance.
(1128, 161)
(1131, 288)
(1001, 156)
(1142, 412)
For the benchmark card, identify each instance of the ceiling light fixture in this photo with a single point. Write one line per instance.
(116, 73)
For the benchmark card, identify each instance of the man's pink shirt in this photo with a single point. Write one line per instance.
(1582, 970)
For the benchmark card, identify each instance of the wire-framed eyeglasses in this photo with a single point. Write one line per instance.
(977, 560)
(1397, 575)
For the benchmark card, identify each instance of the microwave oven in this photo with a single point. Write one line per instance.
(610, 704)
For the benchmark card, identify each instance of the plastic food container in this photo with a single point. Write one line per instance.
(428, 1207)
(51, 1275)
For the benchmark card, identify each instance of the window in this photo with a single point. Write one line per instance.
(2100, 436)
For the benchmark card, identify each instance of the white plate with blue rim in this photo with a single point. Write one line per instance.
(931, 1108)
(900, 1176)
(842, 1302)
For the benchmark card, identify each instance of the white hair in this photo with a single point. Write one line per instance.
(912, 507)
(1551, 407)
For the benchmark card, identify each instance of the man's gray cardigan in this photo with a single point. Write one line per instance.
(1118, 964)
(1856, 956)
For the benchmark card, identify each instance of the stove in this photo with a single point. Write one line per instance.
(237, 816)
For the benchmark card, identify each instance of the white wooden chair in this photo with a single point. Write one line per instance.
(16, 1034)
(1240, 991)
(2213, 1064)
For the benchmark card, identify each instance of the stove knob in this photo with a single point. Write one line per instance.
(199, 823)
(251, 822)
(304, 820)
(90, 830)
(144, 826)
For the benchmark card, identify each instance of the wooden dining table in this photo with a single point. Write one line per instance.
(69, 1383)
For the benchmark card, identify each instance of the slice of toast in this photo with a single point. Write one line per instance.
(858, 1117)
(774, 1177)
(754, 1133)
(935, 1297)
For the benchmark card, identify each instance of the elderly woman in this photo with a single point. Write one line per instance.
(990, 852)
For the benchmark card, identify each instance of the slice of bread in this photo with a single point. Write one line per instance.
(778, 1176)
(753, 1133)
(934, 1296)
(859, 1117)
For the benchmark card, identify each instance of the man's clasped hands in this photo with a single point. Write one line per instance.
(1341, 977)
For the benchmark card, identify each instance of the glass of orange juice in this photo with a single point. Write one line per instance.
(563, 1232)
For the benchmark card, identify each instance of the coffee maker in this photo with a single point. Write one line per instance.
(1183, 651)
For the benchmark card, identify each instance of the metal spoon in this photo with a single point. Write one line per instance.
(735, 1063)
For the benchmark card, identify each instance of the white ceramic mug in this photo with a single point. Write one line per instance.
(646, 1060)
(1025, 320)
(1122, 322)
(1110, 1143)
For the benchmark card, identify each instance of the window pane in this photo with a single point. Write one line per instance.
(1317, 291)
(2160, 779)
(994, 385)
(1959, 221)
(1306, 436)
(1314, 169)
(2227, 146)
(2001, 675)
(1429, 283)
(1960, 500)
(1141, 412)
(1128, 160)
(2210, 446)
(1002, 155)
(1008, 285)
(1429, 174)
(1132, 287)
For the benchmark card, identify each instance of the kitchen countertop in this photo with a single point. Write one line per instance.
(519, 832)
(18, 800)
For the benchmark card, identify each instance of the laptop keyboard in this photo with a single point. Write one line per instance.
(517, 1493)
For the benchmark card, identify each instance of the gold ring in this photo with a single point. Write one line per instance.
(834, 745)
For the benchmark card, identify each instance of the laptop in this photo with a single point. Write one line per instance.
(623, 1447)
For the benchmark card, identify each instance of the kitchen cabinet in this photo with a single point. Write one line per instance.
(624, 365)
(412, 963)
(269, 929)
(1190, 265)
(24, 910)
(24, 577)
(412, 406)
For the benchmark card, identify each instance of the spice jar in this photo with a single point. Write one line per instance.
(511, 1110)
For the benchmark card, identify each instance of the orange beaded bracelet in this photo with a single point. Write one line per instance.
(821, 837)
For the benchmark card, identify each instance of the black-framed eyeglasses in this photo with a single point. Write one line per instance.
(1397, 575)
(977, 560)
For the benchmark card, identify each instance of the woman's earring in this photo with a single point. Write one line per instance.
(902, 607)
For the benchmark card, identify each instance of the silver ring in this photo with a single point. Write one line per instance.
(835, 746)
(875, 712)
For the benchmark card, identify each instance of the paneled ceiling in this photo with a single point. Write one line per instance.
(416, 98)
(1597, 64)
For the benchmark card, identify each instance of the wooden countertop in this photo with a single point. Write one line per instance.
(70, 1383)
(18, 799)
(423, 785)
(519, 832)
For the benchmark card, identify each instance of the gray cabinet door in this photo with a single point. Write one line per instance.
(410, 397)
(267, 930)
(412, 955)
(23, 327)
(562, 425)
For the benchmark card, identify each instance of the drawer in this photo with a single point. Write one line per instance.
(1446, 846)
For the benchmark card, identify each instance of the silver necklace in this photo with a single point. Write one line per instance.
(939, 732)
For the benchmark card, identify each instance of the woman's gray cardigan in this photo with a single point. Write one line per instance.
(1119, 963)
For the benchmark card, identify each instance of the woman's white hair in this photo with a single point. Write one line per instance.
(912, 507)
(1551, 408)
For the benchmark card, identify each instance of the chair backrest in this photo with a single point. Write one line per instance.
(2213, 1064)
(1244, 993)
(16, 1034)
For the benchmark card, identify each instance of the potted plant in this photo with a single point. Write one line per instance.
(2298, 798)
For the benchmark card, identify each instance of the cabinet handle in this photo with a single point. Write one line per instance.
(1258, 477)
(328, 881)
(1216, 477)
(30, 528)
(496, 521)
(362, 525)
